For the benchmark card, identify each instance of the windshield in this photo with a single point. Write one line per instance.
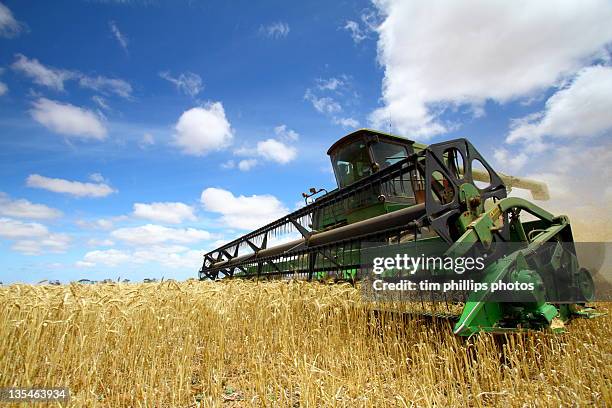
(352, 163)
(387, 154)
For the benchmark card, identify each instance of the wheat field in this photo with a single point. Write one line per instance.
(285, 344)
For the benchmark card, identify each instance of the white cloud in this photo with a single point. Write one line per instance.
(510, 162)
(173, 256)
(121, 39)
(67, 119)
(101, 102)
(13, 229)
(25, 209)
(275, 30)
(32, 238)
(188, 82)
(581, 109)
(230, 164)
(106, 85)
(171, 213)
(98, 178)
(358, 34)
(75, 188)
(3, 87)
(57, 243)
(328, 105)
(203, 129)
(100, 242)
(42, 75)
(55, 78)
(276, 151)
(247, 164)
(243, 212)
(362, 31)
(156, 234)
(284, 133)
(9, 26)
(324, 104)
(446, 54)
(146, 140)
(101, 223)
(108, 257)
(330, 84)
(346, 122)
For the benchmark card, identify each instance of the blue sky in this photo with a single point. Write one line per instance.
(135, 135)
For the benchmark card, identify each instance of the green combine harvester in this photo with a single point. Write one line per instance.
(393, 191)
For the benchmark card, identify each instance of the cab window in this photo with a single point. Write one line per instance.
(387, 154)
(352, 163)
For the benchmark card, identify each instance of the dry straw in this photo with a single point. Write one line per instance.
(277, 344)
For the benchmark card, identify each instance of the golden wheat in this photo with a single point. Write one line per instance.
(236, 343)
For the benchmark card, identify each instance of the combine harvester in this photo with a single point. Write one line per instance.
(394, 191)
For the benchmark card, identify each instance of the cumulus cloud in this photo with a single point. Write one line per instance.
(578, 112)
(188, 82)
(203, 129)
(167, 212)
(286, 134)
(32, 238)
(157, 234)
(50, 77)
(21, 208)
(509, 161)
(447, 54)
(118, 35)
(9, 26)
(581, 109)
(13, 229)
(246, 164)
(172, 256)
(276, 151)
(67, 119)
(108, 257)
(275, 30)
(242, 212)
(75, 188)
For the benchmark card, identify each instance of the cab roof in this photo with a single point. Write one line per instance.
(360, 133)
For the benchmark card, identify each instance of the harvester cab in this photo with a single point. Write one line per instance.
(394, 191)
